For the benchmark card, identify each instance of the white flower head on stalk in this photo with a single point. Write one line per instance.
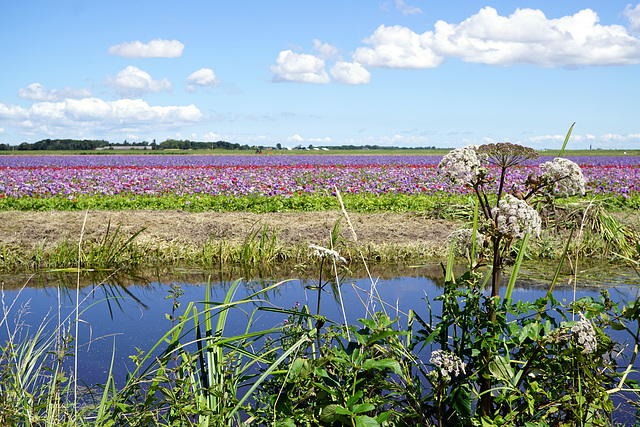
(320, 252)
(516, 217)
(462, 241)
(448, 364)
(462, 165)
(565, 175)
(586, 335)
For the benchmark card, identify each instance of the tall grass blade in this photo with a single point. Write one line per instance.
(104, 401)
(516, 268)
(566, 140)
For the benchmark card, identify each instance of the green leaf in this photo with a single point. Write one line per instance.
(616, 326)
(353, 399)
(328, 414)
(383, 417)
(462, 400)
(382, 364)
(365, 421)
(380, 335)
(342, 411)
(500, 368)
(369, 323)
(363, 407)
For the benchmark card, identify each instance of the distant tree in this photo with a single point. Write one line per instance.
(279, 146)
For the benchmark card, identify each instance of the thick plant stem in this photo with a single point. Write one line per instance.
(485, 386)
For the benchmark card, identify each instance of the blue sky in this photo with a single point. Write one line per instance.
(389, 72)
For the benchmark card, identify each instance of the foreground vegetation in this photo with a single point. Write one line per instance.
(471, 357)
(542, 363)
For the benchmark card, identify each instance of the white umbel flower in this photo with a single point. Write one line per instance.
(448, 364)
(516, 217)
(566, 175)
(320, 252)
(462, 241)
(461, 165)
(586, 335)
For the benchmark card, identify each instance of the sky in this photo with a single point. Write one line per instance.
(408, 73)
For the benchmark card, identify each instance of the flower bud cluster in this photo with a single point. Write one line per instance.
(320, 252)
(463, 242)
(516, 217)
(566, 176)
(448, 364)
(462, 165)
(585, 334)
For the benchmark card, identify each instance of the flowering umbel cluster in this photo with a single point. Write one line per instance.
(565, 176)
(515, 217)
(320, 252)
(585, 334)
(506, 154)
(463, 241)
(462, 165)
(448, 365)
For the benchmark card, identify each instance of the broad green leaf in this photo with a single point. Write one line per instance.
(328, 413)
(382, 364)
(363, 407)
(500, 368)
(462, 400)
(342, 411)
(365, 421)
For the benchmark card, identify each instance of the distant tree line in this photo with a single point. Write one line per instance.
(195, 145)
(87, 144)
(73, 144)
(57, 144)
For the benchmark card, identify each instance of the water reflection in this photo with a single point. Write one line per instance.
(131, 310)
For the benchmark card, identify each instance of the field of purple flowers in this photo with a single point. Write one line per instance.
(283, 176)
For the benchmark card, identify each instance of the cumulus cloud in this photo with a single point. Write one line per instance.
(93, 114)
(299, 67)
(398, 47)
(157, 48)
(633, 15)
(351, 73)
(324, 50)
(526, 36)
(204, 77)
(37, 92)
(133, 82)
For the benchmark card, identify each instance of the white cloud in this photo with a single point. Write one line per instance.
(212, 137)
(406, 9)
(633, 15)
(204, 77)
(157, 48)
(526, 36)
(614, 138)
(398, 47)
(37, 92)
(298, 139)
(325, 50)
(2, 131)
(75, 116)
(350, 73)
(299, 67)
(133, 82)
